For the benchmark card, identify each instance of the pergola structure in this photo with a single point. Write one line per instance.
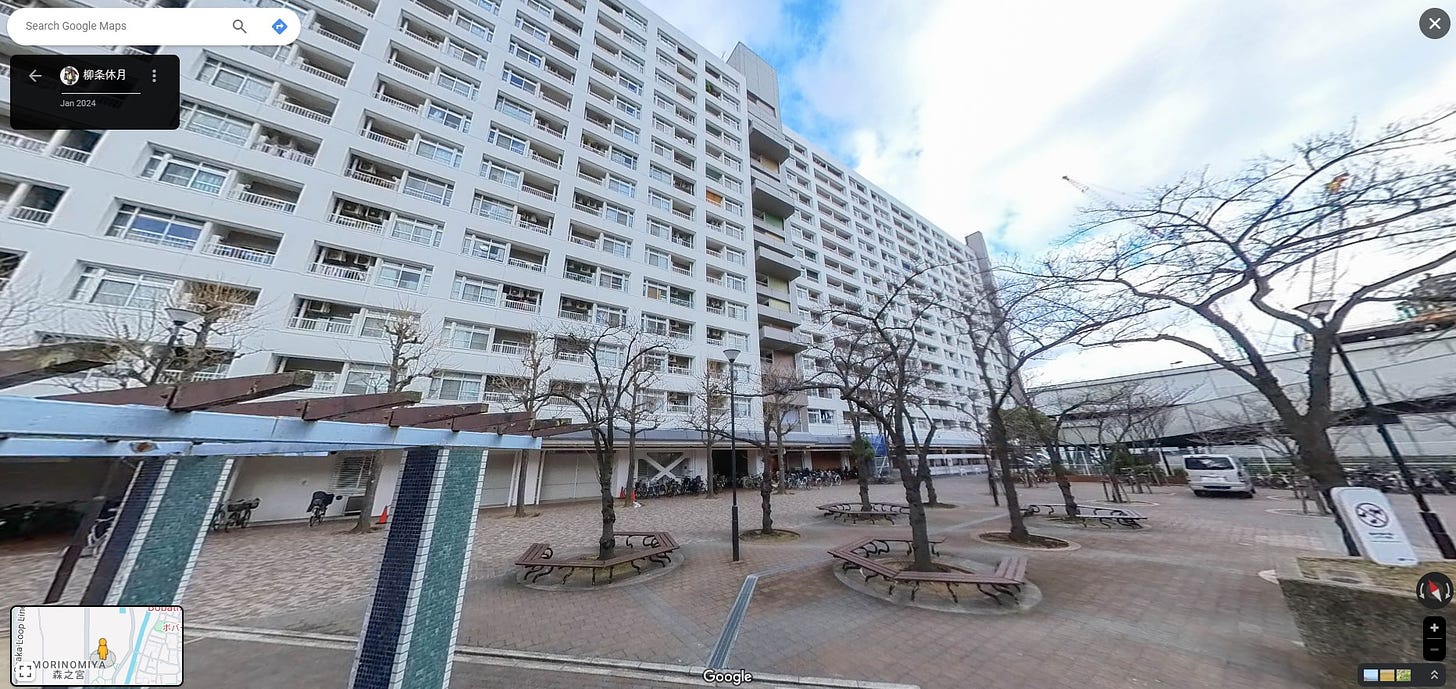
(187, 436)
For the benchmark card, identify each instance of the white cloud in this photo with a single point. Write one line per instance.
(972, 112)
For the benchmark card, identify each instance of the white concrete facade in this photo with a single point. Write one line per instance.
(1395, 369)
(497, 167)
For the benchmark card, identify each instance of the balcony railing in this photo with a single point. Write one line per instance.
(327, 76)
(217, 248)
(327, 325)
(72, 154)
(520, 305)
(375, 226)
(32, 215)
(409, 69)
(390, 183)
(547, 161)
(528, 265)
(343, 272)
(397, 102)
(538, 192)
(242, 194)
(284, 152)
(533, 226)
(357, 8)
(324, 382)
(286, 105)
(21, 142)
(386, 139)
(335, 37)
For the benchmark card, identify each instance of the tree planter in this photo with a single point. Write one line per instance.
(1349, 609)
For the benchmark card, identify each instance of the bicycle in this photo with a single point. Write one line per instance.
(239, 513)
(318, 505)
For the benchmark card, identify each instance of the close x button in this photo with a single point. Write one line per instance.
(1433, 638)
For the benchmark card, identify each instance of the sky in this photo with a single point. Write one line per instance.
(971, 112)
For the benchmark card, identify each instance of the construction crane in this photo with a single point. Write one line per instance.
(1324, 267)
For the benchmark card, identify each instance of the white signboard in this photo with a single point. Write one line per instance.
(1368, 516)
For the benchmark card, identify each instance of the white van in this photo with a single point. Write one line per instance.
(1209, 474)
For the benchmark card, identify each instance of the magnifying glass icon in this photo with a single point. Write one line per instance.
(238, 25)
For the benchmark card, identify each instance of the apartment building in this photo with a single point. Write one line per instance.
(499, 167)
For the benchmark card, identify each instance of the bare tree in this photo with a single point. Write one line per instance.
(411, 352)
(1225, 254)
(1015, 319)
(21, 306)
(225, 322)
(529, 391)
(779, 387)
(641, 413)
(885, 333)
(1115, 416)
(709, 417)
(847, 363)
(614, 356)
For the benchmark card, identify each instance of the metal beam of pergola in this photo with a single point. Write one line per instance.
(25, 417)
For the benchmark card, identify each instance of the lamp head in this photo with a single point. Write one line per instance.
(182, 316)
(1317, 309)
(732, 354)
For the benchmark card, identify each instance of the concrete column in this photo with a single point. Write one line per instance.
(410, 630)
(153, 547)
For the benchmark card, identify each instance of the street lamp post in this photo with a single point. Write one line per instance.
(1319, 310)
(179, 317)
(72, 554)
(732, 355)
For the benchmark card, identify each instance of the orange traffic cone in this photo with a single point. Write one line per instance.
(383, 517)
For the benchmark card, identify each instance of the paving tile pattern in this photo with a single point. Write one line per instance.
(1179, 604)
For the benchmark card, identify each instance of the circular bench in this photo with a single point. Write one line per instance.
(855, 512)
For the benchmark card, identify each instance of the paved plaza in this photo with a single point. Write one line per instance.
(1179, 604)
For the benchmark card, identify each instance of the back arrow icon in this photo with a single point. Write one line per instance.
(34, 75)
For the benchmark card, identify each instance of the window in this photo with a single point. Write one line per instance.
(610, 315)
(496, 172)
(616, 245)
(155, 227)
(366, 379)
(612, 279)
(475, 27)
(656, 325)
(475, 290)
(623, 158)
(417, 230)
(624, 187)
(508, 142)
(659, 259)
(657, 200)
(526, 54)
(821, 416)
(236, 80)
(403, 276)
(491, 208)
(654, 290)
(484, 247)
(443, 153)
(464, 87)
(733, 207)
(351, 473)
(531, 28)
(528, 85)
(427, 189)
(462, 335)
(735, 310)
(456, 386)
(184, 172)
(617, 214)
(447, 117)
(213, 123)
(737, 282)
(122, 288)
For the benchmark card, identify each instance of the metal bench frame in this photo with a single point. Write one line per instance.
(655, 547)
(1008, 578)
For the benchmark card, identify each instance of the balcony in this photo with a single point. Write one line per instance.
(260, 193)
(368, 171)
(770, 258)
(283, 146)
(770, 195)
(319, 66)
(325, 317)
(765, 138)
(314, 109)
(774, 316)
(240, 245)
(779, 339)
(337, 32)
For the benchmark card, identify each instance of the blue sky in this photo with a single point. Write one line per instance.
(971, 112)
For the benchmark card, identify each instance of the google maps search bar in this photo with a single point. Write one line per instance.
(88, 26)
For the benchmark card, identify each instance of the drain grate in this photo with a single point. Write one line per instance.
(719, 658)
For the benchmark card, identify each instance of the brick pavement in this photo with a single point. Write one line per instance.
(1178, 605)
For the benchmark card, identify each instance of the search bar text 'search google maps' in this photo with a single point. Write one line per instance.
(153, 26)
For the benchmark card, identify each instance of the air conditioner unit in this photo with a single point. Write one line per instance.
(350, 207)
(336, 255)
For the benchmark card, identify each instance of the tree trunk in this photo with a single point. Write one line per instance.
(608, 540)
(521, 483)
(1063, 482)
(1317, 454)
(710, 488)
(862, 462)
(1002, 450)
(919, 527)
(765, 494)
(923, 467)
(629, 495)
(365, 524)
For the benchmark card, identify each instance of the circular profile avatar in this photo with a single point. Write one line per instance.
(70, 75)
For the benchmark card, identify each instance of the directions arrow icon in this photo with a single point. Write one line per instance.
(34, 75)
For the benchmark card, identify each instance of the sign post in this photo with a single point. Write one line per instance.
(1372, 522)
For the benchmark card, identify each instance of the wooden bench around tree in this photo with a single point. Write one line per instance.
(879, 545)
(854, 512)
(653, 546)
(1106, 516)
(1007, 578)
